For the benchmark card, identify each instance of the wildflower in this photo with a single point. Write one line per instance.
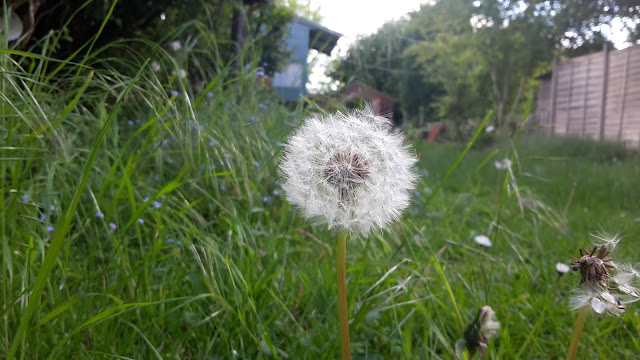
(170, 241)
(262, 253)
(157, 204)
(99, 214)
(275, 192)
(266, 199)
(482, 240)
(212, 143)
(25, 198)
(489, 129)
(175, 45)
(138, 122)
(112, 226)
(175, 93)
(256, 164)
(260, 106)
(223, 188)
(562, 268)
(265, 64)
(179, 243)
(141, 221)
(483, 327)
(210, 95)
(277, 182)
(155, 66)
(53, 207)
(146, 198)
(130, 123)
(349, 171)
(416, 193)
(50, 228)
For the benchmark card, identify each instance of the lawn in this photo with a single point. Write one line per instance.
(140, 222)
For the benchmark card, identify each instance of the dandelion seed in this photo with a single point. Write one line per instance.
(482, 240)
(99, 214)
(562, 268)
(182, 73)
(489, 129)
(348, 171)
(502, 165)
(155, 66)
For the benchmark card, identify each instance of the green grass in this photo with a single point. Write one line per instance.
(208, 261)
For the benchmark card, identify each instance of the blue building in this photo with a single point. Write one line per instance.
(303, 35)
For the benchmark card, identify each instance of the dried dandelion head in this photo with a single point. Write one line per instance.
(608, 286)
(348, 171)
(483, 327)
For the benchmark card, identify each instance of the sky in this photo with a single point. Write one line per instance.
(353, 18)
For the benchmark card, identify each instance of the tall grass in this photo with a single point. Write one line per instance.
(182, 246)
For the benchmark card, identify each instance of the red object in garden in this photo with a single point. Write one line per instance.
(433, 133)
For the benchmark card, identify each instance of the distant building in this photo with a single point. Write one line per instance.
(303, 35)
(358, 92)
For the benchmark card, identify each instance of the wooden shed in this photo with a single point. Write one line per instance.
(303, 35)
(595, 95)
(358, 92)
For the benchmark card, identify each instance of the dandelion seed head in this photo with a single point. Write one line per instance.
(348, 171)
(562, 268)
(483, 240)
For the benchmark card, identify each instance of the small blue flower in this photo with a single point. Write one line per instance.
(265, 64)
(99, 214)
(210, 95)
(170, 241)
(179, 243)
(202, 167)
(253, 119)
(25, 198)
(275, 192)
(42, 217)
(141, 221)
(130, 123)
(50, 228)
(310, 107)
(260, 106)
(268, 102)
(157, 204)
(278, 144)
(138, 121)
(277, 182)
(175, 93)
(256, 164)
(417, 193)
(212, 143)
(165, 142)
(112, 226)
(223, 188)
(266, 199)
(53, 207)
(155, 178)
(146, 198)
(260, 73)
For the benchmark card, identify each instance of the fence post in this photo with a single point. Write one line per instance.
(552, 99)
(605, 79)
(624, 93)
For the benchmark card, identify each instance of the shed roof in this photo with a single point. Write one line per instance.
(320, 37)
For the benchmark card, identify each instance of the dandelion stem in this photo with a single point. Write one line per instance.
(341, 281)
(577, 332)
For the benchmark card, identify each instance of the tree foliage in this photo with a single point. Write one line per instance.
(473, 56)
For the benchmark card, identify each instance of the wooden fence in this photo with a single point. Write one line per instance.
(596, 95)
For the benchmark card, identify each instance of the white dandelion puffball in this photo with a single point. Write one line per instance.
(348, 171)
